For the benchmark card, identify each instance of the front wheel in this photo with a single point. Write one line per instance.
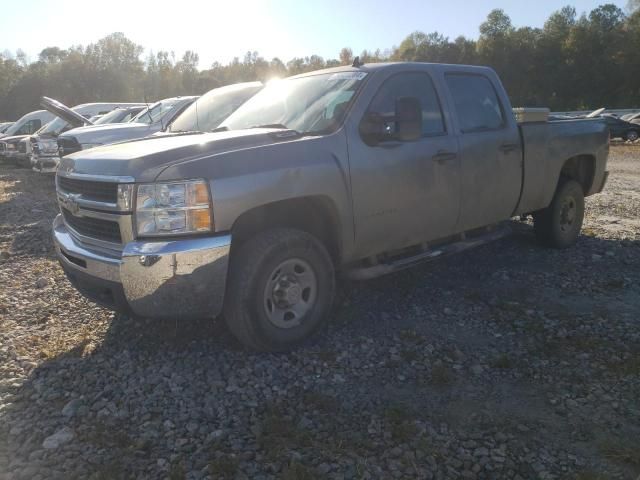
(632, 135)
(559, 224)
(280, 289)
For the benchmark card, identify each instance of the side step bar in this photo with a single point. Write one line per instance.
(366, 273)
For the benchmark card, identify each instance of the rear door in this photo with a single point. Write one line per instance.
(405, 192)
(490, 147)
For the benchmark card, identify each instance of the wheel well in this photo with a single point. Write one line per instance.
(316, 215)
(581, 169)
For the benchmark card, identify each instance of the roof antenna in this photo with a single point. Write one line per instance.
(357, 63)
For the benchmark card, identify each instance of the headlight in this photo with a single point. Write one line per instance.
(87, 146)
(175, 208)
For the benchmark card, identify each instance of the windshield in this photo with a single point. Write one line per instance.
(156, 111)
(311, 104)
(54, 128)
(114, 116)
(211, 109)
(16, 127)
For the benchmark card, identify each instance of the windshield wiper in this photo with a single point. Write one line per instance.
(272, 125)
(220, 129)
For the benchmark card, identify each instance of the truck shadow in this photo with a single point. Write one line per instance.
(145, 372)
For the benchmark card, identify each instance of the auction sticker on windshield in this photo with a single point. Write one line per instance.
(347, 76)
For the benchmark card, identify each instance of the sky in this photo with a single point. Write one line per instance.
(220, 30)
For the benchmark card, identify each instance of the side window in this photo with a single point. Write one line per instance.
(476, 102)
(412, 84)
(35, 125)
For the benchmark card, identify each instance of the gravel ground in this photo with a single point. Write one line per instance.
(509, 361)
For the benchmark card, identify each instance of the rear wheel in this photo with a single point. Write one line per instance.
(280, 289)
(632, 135)
(559, 224)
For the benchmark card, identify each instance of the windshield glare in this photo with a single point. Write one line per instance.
(113, 116)
(206, 113)
(311, 104)
(155, 112)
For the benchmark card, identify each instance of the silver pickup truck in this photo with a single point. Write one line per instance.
(358, 170)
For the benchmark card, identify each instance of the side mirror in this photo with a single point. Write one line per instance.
(408, 118)
(405, 124)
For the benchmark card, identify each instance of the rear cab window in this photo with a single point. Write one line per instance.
(476, 102)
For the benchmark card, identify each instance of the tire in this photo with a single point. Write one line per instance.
(280, 289)
(632, 135)
(558, 225)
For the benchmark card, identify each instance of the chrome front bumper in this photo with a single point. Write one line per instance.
(176, 278)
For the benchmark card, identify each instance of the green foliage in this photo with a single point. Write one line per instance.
(573, 62)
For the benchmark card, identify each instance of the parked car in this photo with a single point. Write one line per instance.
(24, 151)
(26, 125)
(120, 115)
(635, 119)
(4, 126)
(150, 120)
(44, 145)
(630, 116)
(362, 170)
(623, 129)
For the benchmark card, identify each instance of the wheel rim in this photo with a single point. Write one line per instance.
(290, 293)
(568, 214)
(632, 136)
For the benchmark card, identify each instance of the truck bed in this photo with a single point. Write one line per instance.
(546, 148)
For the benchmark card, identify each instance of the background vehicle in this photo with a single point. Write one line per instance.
(120, 115)
(29, 123)
(24, 152)
(210, 110)
(26, 125)
(44, 145)
(363, 170)
(150, 120)
(623, 129)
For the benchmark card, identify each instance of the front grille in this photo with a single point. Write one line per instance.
(97, 228)
(3, 147)
(90, 190)
(67, 146)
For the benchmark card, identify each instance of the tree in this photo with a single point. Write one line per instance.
(346, 56)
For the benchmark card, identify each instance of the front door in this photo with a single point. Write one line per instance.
(405, 192)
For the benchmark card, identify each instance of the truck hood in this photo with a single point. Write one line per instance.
(145, 159)
(14, 139)
(64, 112)
(110, 133)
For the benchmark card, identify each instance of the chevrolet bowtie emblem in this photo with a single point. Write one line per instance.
(70, 202)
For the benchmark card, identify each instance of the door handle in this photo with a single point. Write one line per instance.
(443, 156)
(509, 147)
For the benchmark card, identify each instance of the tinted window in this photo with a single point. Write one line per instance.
(411, 85)
(476, 102)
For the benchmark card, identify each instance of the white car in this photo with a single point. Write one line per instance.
(25, 126)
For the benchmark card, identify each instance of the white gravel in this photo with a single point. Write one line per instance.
(510, 361)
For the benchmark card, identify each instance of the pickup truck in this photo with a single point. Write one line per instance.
(358, 171)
